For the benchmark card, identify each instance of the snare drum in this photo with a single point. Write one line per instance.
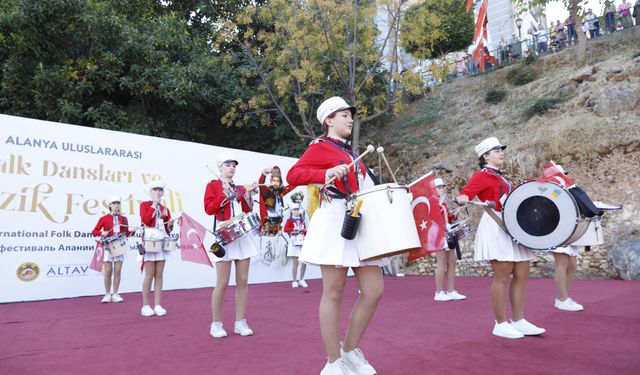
(297, 240)
(238, 227)
(387, 226)
(594, 235)
(153, 246)
(459, 230)
(169, 244)
(543, 215)
(116, 245)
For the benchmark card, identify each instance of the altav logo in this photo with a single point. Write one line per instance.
(67, 270)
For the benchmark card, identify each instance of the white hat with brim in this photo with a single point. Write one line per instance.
(113, 198)
(226, 157)
(488, 145)
(333, 105)
(156, 185)
(438, 182)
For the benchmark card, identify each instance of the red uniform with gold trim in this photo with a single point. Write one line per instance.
(216, 203)
(290, 227)
(106, 223)
(488, 185)
(148, 217)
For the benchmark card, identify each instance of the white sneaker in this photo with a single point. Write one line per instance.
(400, 274)
(456, 296)
(294, 284)
(242, 328)
(106, 298)
(217, 330)
(116, 298)
(356, 362)
(568, 305)
(303, 284)
(442, 296)
(507, 331)
(336, 368)
(527, 328)
(147, 311)
(159, 310)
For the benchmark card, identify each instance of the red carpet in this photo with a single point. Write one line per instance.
(410, 334)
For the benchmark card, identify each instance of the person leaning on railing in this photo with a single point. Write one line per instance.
(624, 12)
(610, 18)
(636, 12)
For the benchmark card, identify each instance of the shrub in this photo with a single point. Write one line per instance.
(495, 96)
(522, 74)
(540, 107)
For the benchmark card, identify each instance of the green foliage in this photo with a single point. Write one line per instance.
(495, 96)
(435, 27)
(522, 74)
(540, 107)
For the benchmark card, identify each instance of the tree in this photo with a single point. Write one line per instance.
(434, 28)
(313, 50)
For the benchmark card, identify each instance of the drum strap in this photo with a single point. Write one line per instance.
(495, 218)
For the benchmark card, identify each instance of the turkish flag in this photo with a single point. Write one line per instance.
(554, 174)
(428, 215)
(98, 257)
(192, 234)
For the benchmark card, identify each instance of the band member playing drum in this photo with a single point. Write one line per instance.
(272, 200)
(446, 259)
(296, 228)
(112, 224)
(326, 158)
(156, 221)
(224, 200)
(494, 245)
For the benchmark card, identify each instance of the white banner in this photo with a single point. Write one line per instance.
(55, 180)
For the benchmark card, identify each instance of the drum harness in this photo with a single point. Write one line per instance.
(489, 211)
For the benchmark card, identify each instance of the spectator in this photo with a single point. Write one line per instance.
(561, 37)
(541, 37)
(610, 18)
(585, 29)
(624, 12)
(636, 12)
(530, 42)
(572, 36)
(503, 47)
(591, 21)
(460, 67)
(516, 47)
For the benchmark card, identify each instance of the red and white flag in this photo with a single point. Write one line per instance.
(428, 216)
(98, 257)
(555, 173)
(192, 234)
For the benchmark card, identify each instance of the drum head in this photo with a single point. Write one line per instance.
(540, 215)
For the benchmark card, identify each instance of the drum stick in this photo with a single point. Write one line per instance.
(356, 209)
(489, 204)
(212, 171)
(369, 149)
(380, 151)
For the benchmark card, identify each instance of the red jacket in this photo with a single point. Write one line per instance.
(289, 227)
(106, 223)
(214, 200)
(487, 186)
(265, 191)
(148, 217)
(450, 217)
(320, 156)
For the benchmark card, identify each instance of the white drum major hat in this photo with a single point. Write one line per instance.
(225, 157)
(156, 185)
(438, 181)
(332, 105)
(488, 144)
(113, 198)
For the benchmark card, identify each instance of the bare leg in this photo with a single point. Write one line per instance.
(149, 272)
(108, 268)
(371, 288)
(571, 271)
(560, 275)
(501, 275)
(242, 287)
(294, 269)
(117, 272)
(333, 280)
(518, 289)
(157, 282)
(223, 271)
(441, 270)
(451, 270)
(303, 268)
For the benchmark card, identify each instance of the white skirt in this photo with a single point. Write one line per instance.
(157, 256)
(293, 250)
(109, 258)
(570, 250)
(242, 248)
(493, 243)
(324, 245)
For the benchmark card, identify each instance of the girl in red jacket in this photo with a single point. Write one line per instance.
(327, 157)
(157, 223)
(225, 200)
(112, 224)
(493, 245)
(296, 226)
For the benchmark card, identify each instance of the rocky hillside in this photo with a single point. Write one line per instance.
(587, 119)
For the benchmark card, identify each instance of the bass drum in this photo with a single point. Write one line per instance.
(543, 215)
